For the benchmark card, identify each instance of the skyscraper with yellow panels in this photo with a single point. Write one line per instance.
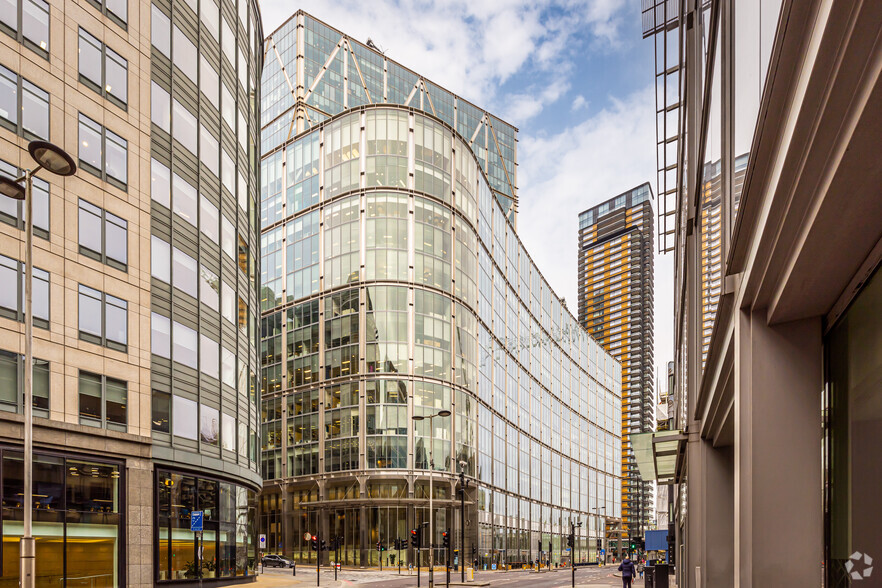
(616, 307)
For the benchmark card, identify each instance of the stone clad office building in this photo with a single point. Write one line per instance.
(394, 284)
(145, 288)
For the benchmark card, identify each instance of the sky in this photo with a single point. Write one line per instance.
(574, 76)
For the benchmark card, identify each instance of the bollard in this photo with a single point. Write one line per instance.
(294, 568)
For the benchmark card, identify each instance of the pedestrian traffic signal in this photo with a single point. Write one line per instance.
(314, 543)
(571, 540)
(445, 540)
(324, 545)
(415, 538)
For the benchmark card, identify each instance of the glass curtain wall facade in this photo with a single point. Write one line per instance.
(205, 59)
(394, 285)
(616, 306)
(314, 72)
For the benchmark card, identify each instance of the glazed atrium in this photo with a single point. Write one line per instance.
(393, 286)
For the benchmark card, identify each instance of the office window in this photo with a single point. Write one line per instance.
(12, 211)
(208, 219)
(185, 128)
(185, 200)
(12, 377)
(209, 81)
(117, 10)
(185, 345)
(103, 153)
(27, 21)
(160, 411)
(103, 319)
(160, 259)
(24, 107)
(160, 31)
(160, 183)
(103, 236)
(160, 335)
(184, 54)
(103, 70)
(103, 402)
(12, 275)
(184, 275)
(208, 150)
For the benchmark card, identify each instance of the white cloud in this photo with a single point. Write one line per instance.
(579, 103)
(522, 107)
(563, 174)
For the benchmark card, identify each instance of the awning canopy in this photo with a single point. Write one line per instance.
(660, 455)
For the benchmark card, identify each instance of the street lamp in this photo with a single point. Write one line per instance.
(440, 413)
(463, 484)
(53, 159)
(603, 530)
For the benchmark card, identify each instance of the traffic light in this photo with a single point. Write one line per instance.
(571, 540)
(314, 543)
(324, 545)
(445, 540)
(415, 538)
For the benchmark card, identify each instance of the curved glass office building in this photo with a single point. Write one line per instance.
(394, 285)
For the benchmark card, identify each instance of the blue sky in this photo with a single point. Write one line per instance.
(575, 77)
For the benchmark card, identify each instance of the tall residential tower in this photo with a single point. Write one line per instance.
(616, 307)
(395, 286)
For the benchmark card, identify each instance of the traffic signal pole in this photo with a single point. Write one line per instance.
(318, 559)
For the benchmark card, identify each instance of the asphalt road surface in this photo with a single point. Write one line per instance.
(589, 577)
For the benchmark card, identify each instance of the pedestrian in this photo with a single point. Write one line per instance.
(640, 566)
(628, 571)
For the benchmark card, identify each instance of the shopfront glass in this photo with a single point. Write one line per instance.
(854, 468)
(77, 517)
(226, 547)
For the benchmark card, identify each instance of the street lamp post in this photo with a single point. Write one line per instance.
(440, 413)
(463, 484)
(53, 159)
(603, 530)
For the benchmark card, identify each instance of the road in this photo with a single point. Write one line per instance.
(585, 578)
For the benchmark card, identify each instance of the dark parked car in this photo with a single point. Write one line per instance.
(276, 561)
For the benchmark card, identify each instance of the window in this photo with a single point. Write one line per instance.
(208, 150)
(160, 411)
(103, 152)
(103, 236)
(12, 298)
(103, 319)
(184, 54)
(24, 107)
(184, 199)
(160, 107)
(12, 211)
(103, 402)
(208, 80)
(208, 219)
(160, 254)
(184, 272)
(160, 183)
(210, 15)
(117, 10)
(160, 335)
(185, 127)
(12, 376)
(103, 69)
(160, 30)
(27, 21)
(185, 345)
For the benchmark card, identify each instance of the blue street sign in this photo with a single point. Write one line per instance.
(196, 520)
